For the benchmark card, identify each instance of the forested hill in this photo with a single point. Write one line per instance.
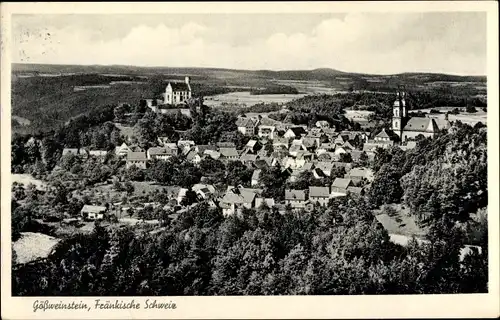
(340, 249)
(314, 74)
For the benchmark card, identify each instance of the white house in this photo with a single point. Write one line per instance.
(178, 92)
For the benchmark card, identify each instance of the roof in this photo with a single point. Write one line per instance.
(69, 150)
(356, 190)
(213, 154)
(191, 155)
(309, 142)
(356, 154)
(326, 156)
(297, 131)
(228, 152)
(360, 172)
(248, 157)
(185, 142)
(307, 166)
(268, 201)
(383, 134)
(322, 192)
(295, 148)
(324, 166)
(236, 196)
(421, 125)
(98, 152)
(203, 187)
(93, 209)
(243, 122)
(256, 174)
(179, 86)
(265, 121)
(251, 143)
(278, 141)
(299, 195)
(157, 150)
(341, 183)
(322, 123)
(136, 156)
(226, 144)
(328, 146)
(203, 147)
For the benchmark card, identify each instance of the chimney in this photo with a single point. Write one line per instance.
(186, 80)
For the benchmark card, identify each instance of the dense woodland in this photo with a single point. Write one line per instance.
(338, 250)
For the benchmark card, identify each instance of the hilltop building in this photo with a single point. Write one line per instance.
(178, 92)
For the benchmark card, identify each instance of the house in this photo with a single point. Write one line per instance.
(280, 144)
(383, 136)
(256, 177)
(267, 128)
(201, 148)
(259, 202)
(322, 124)
(137, 159)
(408, 145)
(253, 146)
(74, 151)
(357, 155)
(248, 159)
(90, 212)
(341, 139)
(193, 156)
(339, 187)
(358, 174)
(295, 198)
(295, 133)
(228, 154)
(296, 147)
(310, 143)
(178, 92)
(204, 191)
(247, 126)
(236, 199)
(325, 167)
(185, 144)
(355, 190)
(319, 195)
(98, 154)
(181, 195)
(212, 154)
(225, 144)
(159, 153)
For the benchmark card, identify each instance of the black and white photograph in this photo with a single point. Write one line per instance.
(248, 154)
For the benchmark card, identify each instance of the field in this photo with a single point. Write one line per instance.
(26, 179)
(245, 99)
(469, 118)
(32, 246)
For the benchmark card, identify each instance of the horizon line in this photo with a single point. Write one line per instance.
(252, 70)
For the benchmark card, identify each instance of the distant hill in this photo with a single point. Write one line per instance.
(49, 95)
(321, 74)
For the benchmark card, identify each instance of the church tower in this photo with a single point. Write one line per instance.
(399, 113)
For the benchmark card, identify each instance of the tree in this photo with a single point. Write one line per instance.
(129, 188)
(189, 198)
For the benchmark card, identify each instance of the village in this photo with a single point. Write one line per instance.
(338, 161)
(311, 160)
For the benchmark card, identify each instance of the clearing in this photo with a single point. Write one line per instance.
(32, 246)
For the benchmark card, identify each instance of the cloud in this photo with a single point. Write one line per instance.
(368, 43)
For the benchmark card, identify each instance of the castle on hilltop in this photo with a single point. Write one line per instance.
(178, 92)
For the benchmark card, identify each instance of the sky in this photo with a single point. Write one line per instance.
(377, 43)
